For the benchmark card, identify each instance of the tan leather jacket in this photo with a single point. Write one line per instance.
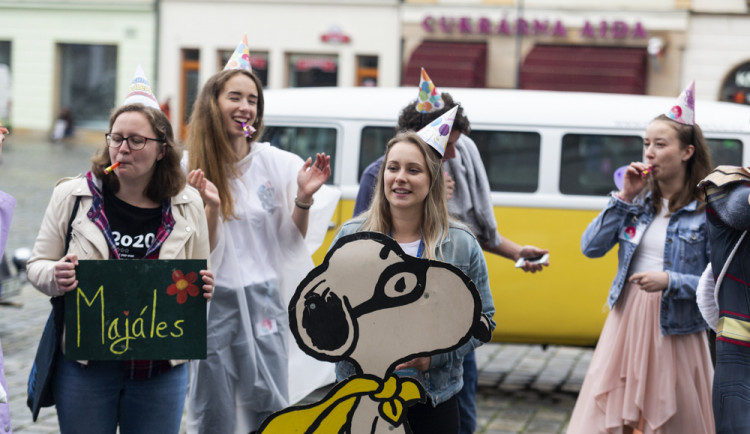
(188, 240)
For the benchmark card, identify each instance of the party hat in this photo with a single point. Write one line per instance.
(140, 92)
(684, 109)
(241, 57)
(436, 132)
(429, 98)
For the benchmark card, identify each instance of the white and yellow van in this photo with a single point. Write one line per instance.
(550, 159)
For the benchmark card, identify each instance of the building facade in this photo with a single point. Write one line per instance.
(717, 50)
(652, 47)
(293, 43)
(79, 55)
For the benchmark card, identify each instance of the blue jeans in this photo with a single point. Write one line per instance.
(96, 398)
(467, 397)
(426, 419)
(731, 391)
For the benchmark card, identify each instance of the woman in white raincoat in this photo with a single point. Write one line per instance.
(267, 211)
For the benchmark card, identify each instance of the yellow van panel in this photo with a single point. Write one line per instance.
(566, 303)
(343, 212)
(563, 305)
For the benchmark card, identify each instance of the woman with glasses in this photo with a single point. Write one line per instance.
(144, 198)
(268, 210)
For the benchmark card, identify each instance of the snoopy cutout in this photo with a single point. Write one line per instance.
(371, 304)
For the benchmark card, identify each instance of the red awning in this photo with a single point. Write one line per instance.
(585, 69)
(449, 64)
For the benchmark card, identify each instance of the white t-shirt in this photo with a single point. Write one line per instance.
(412, 248)
(649, 255)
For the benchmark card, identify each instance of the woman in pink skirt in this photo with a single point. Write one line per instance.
(651, 371)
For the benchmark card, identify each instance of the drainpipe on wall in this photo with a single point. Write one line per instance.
(157, 13)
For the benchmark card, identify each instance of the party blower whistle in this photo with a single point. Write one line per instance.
(248, 130)
(109, 169)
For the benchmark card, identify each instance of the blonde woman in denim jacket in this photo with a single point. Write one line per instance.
(409, 205)
(651, 371)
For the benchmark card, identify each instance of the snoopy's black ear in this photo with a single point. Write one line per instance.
(481, 329)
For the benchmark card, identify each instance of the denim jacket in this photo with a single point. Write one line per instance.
(444, 378)
(686, 254)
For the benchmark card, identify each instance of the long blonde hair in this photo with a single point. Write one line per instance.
(208, 144)
(435, 218)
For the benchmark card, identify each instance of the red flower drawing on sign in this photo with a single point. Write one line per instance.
(183, 285)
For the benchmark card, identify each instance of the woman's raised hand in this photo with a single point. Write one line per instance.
(209, 193)
(312, 176)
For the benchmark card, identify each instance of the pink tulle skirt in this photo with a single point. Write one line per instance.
(641, 379)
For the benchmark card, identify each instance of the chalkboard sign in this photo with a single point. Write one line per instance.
(136, 310)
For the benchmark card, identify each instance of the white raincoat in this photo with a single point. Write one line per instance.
(258, 261)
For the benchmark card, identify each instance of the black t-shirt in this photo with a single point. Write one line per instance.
(134, 229)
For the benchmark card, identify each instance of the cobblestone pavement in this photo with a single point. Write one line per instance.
(522, 388)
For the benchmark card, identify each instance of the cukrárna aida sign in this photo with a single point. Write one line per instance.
(136, 310)
(509, 26)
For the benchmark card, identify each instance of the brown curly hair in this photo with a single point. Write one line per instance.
(412, 120)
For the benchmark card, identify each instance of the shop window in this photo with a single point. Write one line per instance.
(189, 86)
(258, 61)
(367, 71)
(372, 146)
(88, 74)
(589, 161)
(5, 53)
(511, 159)
(304, 141)
(309, 70)
(736, 87)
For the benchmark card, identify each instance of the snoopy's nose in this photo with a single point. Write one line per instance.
(324, 319)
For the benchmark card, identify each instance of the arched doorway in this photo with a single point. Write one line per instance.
(736, 85)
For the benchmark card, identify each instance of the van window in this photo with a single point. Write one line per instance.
(511, 159)
(589, 161)
(372, 146)
(725, 151)
(304, 141)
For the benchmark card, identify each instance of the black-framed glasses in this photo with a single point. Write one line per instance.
(135, 143)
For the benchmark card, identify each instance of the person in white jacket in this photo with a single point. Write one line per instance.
(268, 210)
(145, 198)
